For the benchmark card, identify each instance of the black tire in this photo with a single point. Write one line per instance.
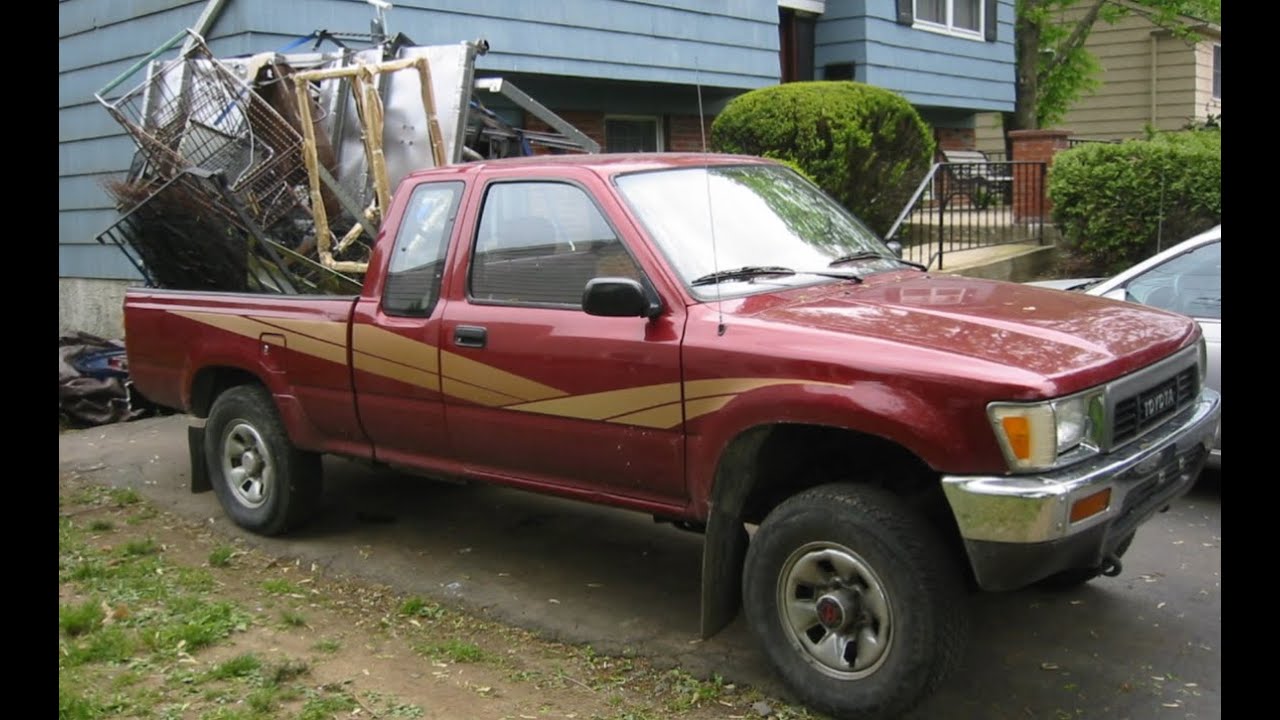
(1075, 577)
(849, 540)
(264, 484)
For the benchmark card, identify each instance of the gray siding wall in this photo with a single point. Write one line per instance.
(928, 68)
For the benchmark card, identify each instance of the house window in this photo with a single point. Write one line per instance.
(962, 17)
(795, 43)
(632, 134)
(1217, 72)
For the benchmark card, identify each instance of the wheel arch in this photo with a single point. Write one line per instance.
(762, 466)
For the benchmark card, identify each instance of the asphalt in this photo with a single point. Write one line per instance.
(1144, 645)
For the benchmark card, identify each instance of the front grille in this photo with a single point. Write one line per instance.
(1127, 420)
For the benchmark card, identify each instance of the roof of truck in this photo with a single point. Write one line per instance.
(603, 163)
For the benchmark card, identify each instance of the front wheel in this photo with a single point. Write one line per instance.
(855, 601)
(264, 484)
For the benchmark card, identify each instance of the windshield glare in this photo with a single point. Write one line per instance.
(764, 215)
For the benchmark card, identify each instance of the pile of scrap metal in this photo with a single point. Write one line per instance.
(271, 173)
(93, 383)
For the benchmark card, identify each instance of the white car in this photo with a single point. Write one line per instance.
(1186, 279)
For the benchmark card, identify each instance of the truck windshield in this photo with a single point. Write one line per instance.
(762, 215)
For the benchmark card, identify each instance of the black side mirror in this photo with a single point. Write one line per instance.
(895, 247)
(618, 297)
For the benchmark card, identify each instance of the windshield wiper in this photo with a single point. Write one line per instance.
(748, 271)
(873, 255)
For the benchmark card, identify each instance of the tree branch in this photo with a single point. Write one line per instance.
(1077, 37)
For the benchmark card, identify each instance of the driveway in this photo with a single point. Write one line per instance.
(1143, 645)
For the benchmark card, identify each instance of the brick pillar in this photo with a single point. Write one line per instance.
(1029, 186)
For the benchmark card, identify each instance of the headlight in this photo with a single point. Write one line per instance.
(1034, 436)
(1204, 360)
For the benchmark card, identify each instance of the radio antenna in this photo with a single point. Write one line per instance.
(711, 217)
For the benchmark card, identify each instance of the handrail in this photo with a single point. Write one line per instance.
(928, 179)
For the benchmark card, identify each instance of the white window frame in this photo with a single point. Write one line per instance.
(657, 127)
(1215, 89)
(949, 28)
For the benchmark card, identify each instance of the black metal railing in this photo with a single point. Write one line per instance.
(962, 206)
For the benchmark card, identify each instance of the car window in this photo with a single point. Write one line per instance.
(540, 242)
(1190, 283)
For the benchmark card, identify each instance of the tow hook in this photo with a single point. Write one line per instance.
(1111, 566)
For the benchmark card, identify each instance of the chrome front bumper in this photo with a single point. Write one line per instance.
(1017, 529)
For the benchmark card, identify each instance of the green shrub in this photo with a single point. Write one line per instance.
(1111, 202)
(865, 146)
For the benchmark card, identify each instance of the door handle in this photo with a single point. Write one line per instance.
(469, 336)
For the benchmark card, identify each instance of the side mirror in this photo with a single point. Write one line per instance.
(895, 247)
(618, 297)
(1116, 294)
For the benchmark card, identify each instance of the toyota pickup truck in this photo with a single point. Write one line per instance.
(711, 340)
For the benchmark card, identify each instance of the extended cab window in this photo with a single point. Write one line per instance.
(540, 242)
(417, 260)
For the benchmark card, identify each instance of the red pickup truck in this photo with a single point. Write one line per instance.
(711, 340)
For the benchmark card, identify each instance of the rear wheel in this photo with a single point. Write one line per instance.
(854, 600)
(263, 483)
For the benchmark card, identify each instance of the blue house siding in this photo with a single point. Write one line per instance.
(729, 43)
(98, 40)
(639, 56)
(930, 69)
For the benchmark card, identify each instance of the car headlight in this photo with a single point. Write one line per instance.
(1204, 360)
(1036, 436)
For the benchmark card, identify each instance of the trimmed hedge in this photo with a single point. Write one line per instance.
(1109, 199)
(865, 146)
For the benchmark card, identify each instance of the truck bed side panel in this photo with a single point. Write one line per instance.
(298, 347)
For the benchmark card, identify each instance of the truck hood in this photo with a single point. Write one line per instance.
(1052, 333)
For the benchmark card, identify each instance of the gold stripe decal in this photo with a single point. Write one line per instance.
(397, 371)
(386, 354)
(465, 370)
(396, 348)
(326, 330)
(601, 405)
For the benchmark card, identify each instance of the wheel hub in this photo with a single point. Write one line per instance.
(836, 609)
(251, 462)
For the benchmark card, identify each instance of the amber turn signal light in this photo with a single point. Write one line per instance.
(1090, 505)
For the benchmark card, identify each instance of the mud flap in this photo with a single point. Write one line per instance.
(199, 470)
(724, 548)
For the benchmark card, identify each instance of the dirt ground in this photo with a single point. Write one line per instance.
(311, 644)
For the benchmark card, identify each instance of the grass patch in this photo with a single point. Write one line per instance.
(82, 619)
(135, 548)
(237, 667)
(124, 497)
(108, 645)
(690, 692)
(277, 674)
(293, 619)
(417, 607)
(458, 651)
(276, 586)
(221, 556)
(323, 706)
(327, 646)
(101, 526)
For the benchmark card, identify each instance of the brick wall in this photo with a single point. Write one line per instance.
(588, 123)
(683, 134)
(955, 138)
(1030, 194)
